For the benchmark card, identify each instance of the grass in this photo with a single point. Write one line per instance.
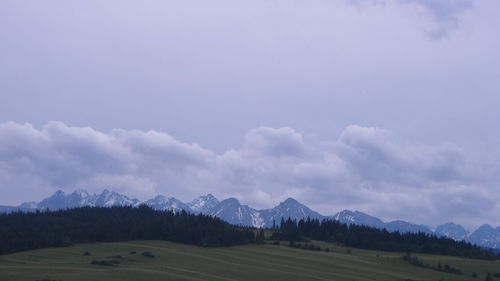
(172, 261)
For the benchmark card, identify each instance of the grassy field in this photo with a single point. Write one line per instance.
(253, 263)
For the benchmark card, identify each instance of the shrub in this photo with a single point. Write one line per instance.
(86, 253)
(148, 254)
(103, 263)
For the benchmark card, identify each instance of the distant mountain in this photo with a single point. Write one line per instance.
(486, 236)
(452, 230)
(10, 209)
(110, 198)
(359, 218)
(290, 208)
(161, 202)
(79, 198)
(406, 227)
(203, 204)
(233, 212)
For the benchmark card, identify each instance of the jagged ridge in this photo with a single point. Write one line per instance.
(233, 212)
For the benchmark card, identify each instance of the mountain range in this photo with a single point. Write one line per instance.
(233, 212)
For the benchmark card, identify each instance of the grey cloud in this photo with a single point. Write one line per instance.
(366, 168)
(446, 13)
(378, 155)
(438, 18)
(278, 142)
(444, 10)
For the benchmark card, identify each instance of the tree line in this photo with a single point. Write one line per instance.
(23, 231)
(365, 237)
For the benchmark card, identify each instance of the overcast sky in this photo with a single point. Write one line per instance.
(387, 107)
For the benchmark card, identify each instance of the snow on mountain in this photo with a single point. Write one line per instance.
(359, 218)
(58, 200)
(486, 236)
(28, 205)
(79, 198)
(161, 202)
(452, 230)
(109, 198)
(233, 212)
(203, 204)
(290, 208)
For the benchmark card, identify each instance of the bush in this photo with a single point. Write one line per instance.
(133, 252)
(103, 263)
(86, 253)
(448, 268)
(148, 254)
(413, 260)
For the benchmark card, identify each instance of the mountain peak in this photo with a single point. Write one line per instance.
(291, 200)
(486, 236)
(452, 230)
(81, 192)
(359, 218)
(231, 200)
(485, 227)
(161, 202)
(203, 204)
(59, 193)
(106, 191)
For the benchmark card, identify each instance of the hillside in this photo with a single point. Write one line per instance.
(174, 261)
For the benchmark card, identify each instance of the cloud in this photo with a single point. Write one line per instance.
(277, 142)
(444, 10)
(376, 154)
(437, 18)
(366, 168)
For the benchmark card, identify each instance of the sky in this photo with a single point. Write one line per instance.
(386, 107)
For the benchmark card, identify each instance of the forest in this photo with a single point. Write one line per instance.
(23, 231)
(365, 237)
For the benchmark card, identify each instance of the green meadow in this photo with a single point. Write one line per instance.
(173, 261)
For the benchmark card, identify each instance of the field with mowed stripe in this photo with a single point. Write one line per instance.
(173, 261)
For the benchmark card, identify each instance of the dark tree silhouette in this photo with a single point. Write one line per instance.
(376, 239)
(25, 231)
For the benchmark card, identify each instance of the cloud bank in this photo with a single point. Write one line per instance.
(366, 168)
